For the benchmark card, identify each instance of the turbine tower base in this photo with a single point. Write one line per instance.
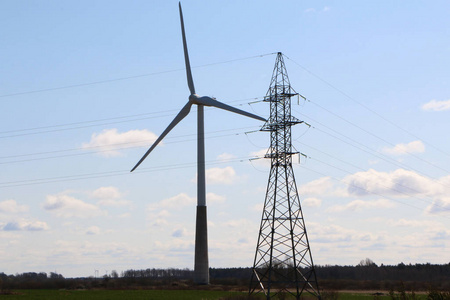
(201, 265)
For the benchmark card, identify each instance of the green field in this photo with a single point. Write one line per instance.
(167, 295)
(117, 294)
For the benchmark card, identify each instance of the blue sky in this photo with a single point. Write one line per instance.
(86, 87)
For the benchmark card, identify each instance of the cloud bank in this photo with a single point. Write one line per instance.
(399, 149)
(110, 141)
(66, 206)
(25, 225)
(435, 105)
(11, 207)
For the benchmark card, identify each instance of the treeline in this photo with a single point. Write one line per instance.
(157, 273)
(365, 276)
(31, 280)
(383, 277)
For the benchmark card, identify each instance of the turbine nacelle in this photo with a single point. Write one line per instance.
(205, 100)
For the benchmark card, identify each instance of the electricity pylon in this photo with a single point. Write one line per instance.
(283, 262)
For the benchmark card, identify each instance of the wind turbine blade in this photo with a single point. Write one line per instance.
(186, 55)
(183, 113)
(211, 102)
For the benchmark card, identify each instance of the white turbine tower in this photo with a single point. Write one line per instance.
(201, 266)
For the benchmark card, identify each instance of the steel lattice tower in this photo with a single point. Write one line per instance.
(283, 261)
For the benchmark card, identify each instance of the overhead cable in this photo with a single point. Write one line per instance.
(127, 77)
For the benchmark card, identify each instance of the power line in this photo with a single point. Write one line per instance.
(150, 114)
(112, 173)
(178, 166)
(127, 77)
(397, 184)
(371, 192)
(118, 144)
(117, 147)
(364, 189)
(367, 108)
(86, 122)
(79, 125)
(371, 151)
(376, 136)
(432, 202)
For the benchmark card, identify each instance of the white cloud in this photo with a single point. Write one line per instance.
(173, 245)
(158, 212)
(257, 207)
(109, 140)
(226, 156)
(312, 202)
(115, 203)
(313, 10)
(358, 205)
(225, 175)
(260, 153)
(11, 207)
(179, 201)
(435, 105)
(439, 205)
(90, 253)
(181, 232)
(109, 196)
(25, 225)
(399, 149)
(160, 222)
(442, 234)
(398, 183)
(93, 230)
(106, 192)
(214, 198)
(241, 223)
(65, 206)
(157, 219)
(163, 214)
(413, 223)
(176, 202)
(318, 187)
(330, 233)
(259, 159)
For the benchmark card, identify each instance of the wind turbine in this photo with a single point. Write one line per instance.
(201, 266)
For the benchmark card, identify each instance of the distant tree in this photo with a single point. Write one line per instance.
(114, 274)
(54, 275)
(367, 263)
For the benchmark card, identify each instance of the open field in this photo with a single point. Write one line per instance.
(174, 294)
(366, 295)
(118, 294)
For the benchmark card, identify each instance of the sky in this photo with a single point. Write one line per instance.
(86, 86)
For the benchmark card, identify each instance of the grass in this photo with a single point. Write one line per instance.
(118, 294)
(348, 295)
(170, 295)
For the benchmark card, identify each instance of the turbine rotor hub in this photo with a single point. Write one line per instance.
(193, 98)
(196, 99)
